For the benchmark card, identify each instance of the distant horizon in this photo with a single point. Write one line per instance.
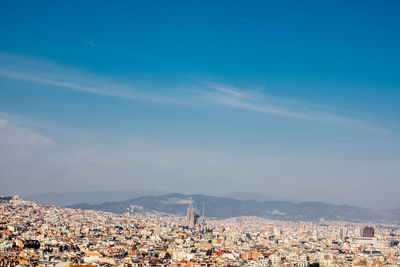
(297, 100)
(269, 198)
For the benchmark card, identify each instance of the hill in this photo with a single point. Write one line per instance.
(220, 207)
(91, 197)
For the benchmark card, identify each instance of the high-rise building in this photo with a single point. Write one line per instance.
(357, 231)
(368, 231)
(343, 233)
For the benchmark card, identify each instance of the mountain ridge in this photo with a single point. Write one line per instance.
(221, 208)
(90, 197)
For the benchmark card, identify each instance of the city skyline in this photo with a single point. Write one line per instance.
(293, 100)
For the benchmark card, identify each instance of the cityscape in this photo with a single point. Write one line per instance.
(200, 133)
(42, 235)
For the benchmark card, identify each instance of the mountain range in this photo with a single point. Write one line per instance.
(254, 196)
(222, 207)
(91, 197)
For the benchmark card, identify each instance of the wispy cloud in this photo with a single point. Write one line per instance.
(230, 91)
(240, 102)
(241, 99)
(79, 87)
(17, 141)
(45, 73)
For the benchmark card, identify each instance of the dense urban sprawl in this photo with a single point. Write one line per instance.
(40, 235)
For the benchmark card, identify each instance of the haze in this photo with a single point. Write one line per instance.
(296, 100)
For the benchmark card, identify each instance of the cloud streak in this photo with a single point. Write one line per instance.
(240, 103)
(78, 87)
(44, 73)
(41, 72)
(237, 98)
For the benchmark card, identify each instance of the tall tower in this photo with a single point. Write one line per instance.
(343, 231)
(191, 215)
(203, 221)
(189, 210)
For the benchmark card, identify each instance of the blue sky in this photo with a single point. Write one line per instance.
(293, 99)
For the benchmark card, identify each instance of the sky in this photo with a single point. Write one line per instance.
(292, 99)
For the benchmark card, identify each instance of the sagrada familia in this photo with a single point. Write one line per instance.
(193, 219)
